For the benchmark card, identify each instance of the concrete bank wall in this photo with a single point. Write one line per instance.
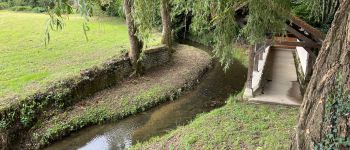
(257, 75)
(301, 57)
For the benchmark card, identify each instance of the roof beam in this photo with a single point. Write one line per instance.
(316, 33)
(301, 44)
(303, 37)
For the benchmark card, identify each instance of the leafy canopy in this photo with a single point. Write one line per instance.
(216, 18)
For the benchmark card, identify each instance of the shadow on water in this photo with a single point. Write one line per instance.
(211, 93)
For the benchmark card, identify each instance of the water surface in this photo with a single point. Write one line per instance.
(211, 93)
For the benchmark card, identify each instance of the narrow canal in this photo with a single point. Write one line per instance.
(211, 93)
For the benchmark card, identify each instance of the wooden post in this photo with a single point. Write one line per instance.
(251, 67)
(248, 93)
(261, 56)
(256, 59)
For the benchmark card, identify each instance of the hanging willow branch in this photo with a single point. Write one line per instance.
(58, 8)
(145, 12)
(218, 17)
(322, 10)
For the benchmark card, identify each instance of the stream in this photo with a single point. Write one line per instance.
(211, 93)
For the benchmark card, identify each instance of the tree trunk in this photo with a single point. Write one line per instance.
(166, 22)
(333, 59)
(135, 43)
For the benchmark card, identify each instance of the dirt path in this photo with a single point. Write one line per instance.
(131, 96)
(281, 85)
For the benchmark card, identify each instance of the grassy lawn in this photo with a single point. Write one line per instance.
(237, 125)
(27, 66)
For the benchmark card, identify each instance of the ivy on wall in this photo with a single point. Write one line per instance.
(337, 110)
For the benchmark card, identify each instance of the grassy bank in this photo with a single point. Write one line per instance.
(238, 125)
(133, 95)
(27, 66)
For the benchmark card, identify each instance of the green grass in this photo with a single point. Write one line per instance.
(237, 125)
(70, 121)
(27, 66)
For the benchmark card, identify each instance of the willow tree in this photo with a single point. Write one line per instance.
(218, 18)
(146, 12)
(324, 121)
(136, 43)
(139, 15)
(165, 9)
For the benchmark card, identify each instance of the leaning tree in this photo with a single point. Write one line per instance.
(324, 121)
(136, 43)
(165, 10)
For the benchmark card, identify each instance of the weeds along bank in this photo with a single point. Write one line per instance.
(67, 92)
(237, 125)
(69, 106)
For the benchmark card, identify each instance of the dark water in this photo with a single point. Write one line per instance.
(211, 93)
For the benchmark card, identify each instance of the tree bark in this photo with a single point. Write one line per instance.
(135, 43)
(166, 22)
(333, 59)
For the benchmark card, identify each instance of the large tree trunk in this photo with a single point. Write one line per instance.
(135, 43)
(166, 22)
(333, 59)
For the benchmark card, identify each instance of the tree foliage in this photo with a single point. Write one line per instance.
(214, 17)
(319, 13)
(219, 18)
(58, 8)
(145, 12)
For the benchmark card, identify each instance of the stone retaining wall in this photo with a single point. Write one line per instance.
(155, 56)
(19, 118)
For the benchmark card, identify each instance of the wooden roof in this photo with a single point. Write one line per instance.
(308, 28)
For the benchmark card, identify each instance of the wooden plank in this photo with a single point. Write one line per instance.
(261, 56)
(250, 67)
(300, 44)
(302, 37)
(316, 33)
(256, 63)
(287, 43)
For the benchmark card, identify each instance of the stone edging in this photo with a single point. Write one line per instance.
(22, 116)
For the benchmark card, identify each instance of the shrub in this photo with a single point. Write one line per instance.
(21, 8)
(4, 5)
(17, 3)
(115, 8)
(39, 9)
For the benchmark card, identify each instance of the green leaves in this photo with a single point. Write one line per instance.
(219, 18)
(144, 13)
(58, 8)
(266, 17)
(337, 108)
